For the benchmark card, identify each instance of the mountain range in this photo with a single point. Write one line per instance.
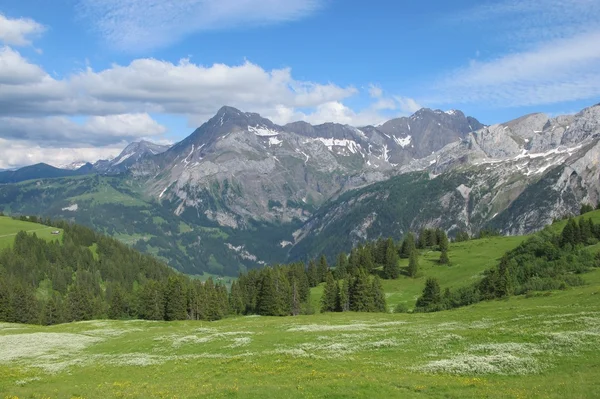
(241, 191)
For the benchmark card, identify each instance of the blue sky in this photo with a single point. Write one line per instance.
(81, 78)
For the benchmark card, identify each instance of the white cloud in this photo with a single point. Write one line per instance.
(15, 70)
(19, 32)
(555, 55)
(96, 130)
(138, 25)
(20, 153)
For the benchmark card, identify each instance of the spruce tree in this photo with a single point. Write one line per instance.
(118, 307)
(378, 295)
(413, 264)
(175, 300)
(330, 294)
(344, 296)
(52, 313)
(444, 259)
(267, 295)
(341, 267)
(431, 297)
(361, 299)
(322, 269)
(391, 269)
(408, 245)
(152, 301)
(236, 300)
(442, 240)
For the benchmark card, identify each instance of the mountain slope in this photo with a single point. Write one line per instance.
(41, 171)
(132, 154)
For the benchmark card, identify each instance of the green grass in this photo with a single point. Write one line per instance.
(545, 346)
(10, 227)
(557, 227)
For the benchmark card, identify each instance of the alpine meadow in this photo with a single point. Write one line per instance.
(299, 199)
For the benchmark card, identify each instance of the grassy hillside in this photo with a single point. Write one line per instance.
(468, 260)
(545, 346)
(10, 227)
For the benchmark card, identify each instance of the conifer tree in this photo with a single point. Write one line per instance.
(444, 259)
(267, 295)
(431, 297)
(152, 301)
(344, 296)
(52, 313)
(175, 300)
(330, 294)
(442, 240)
(378, 295)
(408, 245)
(361, 299)
(391, 269)
(585, 231)
(413, 264)
(313, 274)
(322, 269)
(296, 305)
(236, 301)
(341, 267)
(118, 307)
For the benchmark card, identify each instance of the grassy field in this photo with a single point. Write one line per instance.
(545, 346)
(10, 227)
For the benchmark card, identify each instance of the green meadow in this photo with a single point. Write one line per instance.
(10, 227)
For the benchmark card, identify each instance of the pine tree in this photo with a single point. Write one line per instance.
(341, 267)
(378, 296)
(328, 300)
(152, 301)
(313, 274)
(423, 239)
(391, 269)
(361, 299)
(413, 264)
(504, 283)
(118, 307)
(442, 240)
(585, 231)
(344, 296)
(175, 300)
(52, 313)
(296, 305)
(236, 301)
(585, 208)
(431, 297)
(444, 259)
(322, 269)
(380, 251)
(408, 245)
(267, 295)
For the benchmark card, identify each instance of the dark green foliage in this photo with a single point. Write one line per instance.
(341, 267)
(379, 302)
(444, 259)
(391, 268)
(322, 269)
(330, 297)
(413, 264)
(462, 236)
(401, 308)
(488, 233)
(442, 240)
(313, 274)
(175, 299)
(585, 208)
(408, 245)
(361, 298)
(236, 299)
(344, 296)
(431, 299)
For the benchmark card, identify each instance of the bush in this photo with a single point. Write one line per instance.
(401, 308)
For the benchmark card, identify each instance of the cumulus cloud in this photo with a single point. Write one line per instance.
(140, 25)
(20, 31)
(557, 56)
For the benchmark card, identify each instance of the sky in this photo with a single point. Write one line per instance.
(80, 79)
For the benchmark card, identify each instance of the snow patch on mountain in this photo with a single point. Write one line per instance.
(262, 131)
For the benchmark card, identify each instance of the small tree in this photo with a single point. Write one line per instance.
(313, 274)
(341, 267)
(585, 208)
(322, 269)
(408, 245)
(413, 264)
(330, 295)
(431, 297)
(344, 296)
(379, 303)
(444, 259)
(391, 269)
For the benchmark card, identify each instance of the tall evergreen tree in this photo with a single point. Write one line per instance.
(330, 294)
(444, 258)
(118, 307)
(361, 299)
(53, 312)
(267, 294)
(175, 299)
(391, 268)
(408, 245)
(344, 296)
(413, 264)
(378, 296)
(442, 240)
(152, 301)
(236, 300)
(341, 267)
(322, 269)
